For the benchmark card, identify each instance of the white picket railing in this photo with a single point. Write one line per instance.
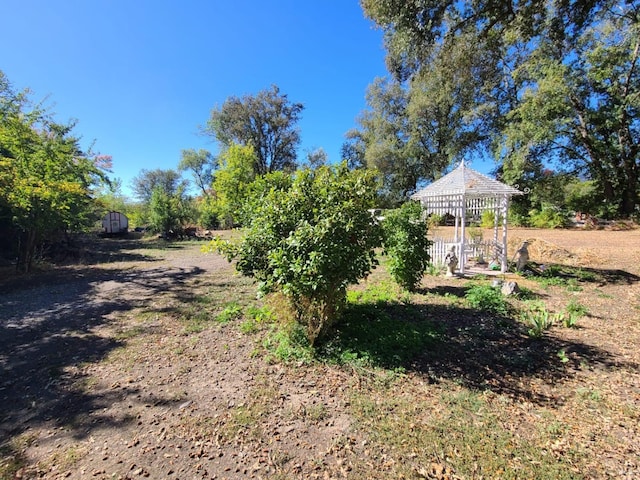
(441, 246)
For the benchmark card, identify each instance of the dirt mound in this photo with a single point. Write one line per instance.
(543, 251)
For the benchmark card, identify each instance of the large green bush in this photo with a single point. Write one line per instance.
(405, 241)
(311, 239)
(548, 217)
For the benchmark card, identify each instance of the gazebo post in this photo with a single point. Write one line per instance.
(505, 210)
(496, 223)
(461, 253)
(455, 235)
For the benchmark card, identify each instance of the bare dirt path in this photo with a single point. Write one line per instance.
(102, 379)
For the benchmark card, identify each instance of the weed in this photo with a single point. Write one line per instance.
(487, 298)
(249, 326)
(288, 343)
(562, 355)
(262, 314)
(573, 286)
(572, 313)
(434, 269)
(538, 319)
(602, 294)
(526, 294)
(586, 276)
(589, 394)
(575, 308)
(232, 311)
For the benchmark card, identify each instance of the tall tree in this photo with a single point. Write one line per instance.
(561, 85)
(231, 183)
(201, 164)
(144, 183)
(266, 121)
(384, 137)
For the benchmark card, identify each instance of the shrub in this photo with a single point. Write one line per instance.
(309, 240)
(547, 218)
(406, 244)
(488, 219)
(487, 298)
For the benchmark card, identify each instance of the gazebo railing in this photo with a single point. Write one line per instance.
(441, 246)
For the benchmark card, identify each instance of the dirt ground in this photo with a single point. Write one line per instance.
(101, 378)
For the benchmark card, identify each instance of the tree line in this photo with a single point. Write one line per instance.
(549, 90)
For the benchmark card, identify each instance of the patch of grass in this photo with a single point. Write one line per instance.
(232, 311)
(460, 430)
(12, 455)
(288, 343)
(373, 333)
(67, 458)
(381, 293)
(245, 417)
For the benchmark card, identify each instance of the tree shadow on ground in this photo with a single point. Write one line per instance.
(600, 276)
(478, 350)
(49, 331)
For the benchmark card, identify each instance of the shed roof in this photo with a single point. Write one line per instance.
(465, 181)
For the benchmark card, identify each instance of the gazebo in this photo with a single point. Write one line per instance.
(465, 194)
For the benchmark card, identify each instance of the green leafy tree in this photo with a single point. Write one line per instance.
(315, 158)
(146, 181)
(384, 138)
(168, 212)
(406, 244)
(201, 164)
(310, 240)
(46, 180)
(551, 83)
(266, 121)
(584, 112)
(413, 131)
(231, 183)
(109, 196)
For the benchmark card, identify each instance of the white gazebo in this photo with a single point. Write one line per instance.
(465, 194)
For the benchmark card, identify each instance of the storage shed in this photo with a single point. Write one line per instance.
(115, 223)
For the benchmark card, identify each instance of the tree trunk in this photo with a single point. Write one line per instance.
(26, 251)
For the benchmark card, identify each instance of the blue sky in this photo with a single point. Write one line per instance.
(141, 76)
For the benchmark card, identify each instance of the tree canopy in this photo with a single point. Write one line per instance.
(146, 181)
(266, 121)
(532, 83)
(46, 179)
(201, 164)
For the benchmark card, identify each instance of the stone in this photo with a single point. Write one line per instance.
(510, 288)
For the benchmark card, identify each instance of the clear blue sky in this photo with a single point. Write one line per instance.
(140, 76)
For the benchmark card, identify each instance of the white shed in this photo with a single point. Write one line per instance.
(115, 223)
(465, 193)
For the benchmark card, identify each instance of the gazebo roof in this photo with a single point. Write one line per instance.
(467, 182)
